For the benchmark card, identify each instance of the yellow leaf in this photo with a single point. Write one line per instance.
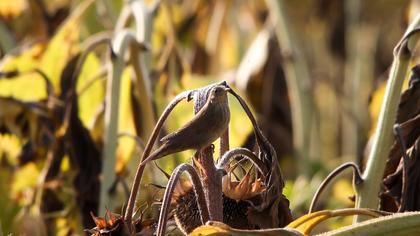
(12, 8)
(342, 190)
(10, 147)
(307, 222)
(28, 86)
(25, 177)
(209, 230)
(61, 48)
(214, 228)
(90, 95)
(376, 103)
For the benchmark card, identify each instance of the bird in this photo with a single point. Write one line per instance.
(206, 126)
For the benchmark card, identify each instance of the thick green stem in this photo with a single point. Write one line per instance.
(111, 128)
(352, 75)
(367, 192)
(7, 43)
(122, 42)
(399, 224)
(134, 41)
(297, 78)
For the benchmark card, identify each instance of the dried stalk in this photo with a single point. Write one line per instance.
(147, 150)
(357, 179)
(135, 42)
(212, 183)
(298, 83)
(228, 156)
(199, 193)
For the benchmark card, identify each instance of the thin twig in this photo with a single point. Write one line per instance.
(357, 178)
(227, 157)
(147, 150)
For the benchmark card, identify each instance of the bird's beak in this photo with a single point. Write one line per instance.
(227, 89)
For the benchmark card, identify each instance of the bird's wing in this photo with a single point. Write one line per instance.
(193, 126)
(169, 136)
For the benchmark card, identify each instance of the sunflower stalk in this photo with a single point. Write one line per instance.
(298, 83)
(134, 42)
(367, 191)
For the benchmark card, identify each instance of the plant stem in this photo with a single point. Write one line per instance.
(397, 224)
(121, 43)
(352, 75)
(212, 183)
(140, 168)
(134, 41)
(111, 127)
(198, 190)
(7, 43)
(367, 192)
(357, 179)
(245, 153)
(297, 78)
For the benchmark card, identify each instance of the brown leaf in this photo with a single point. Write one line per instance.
(393, 197)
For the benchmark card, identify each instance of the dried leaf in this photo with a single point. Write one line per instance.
(392, 194)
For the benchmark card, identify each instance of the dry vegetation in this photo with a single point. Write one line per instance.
(88, 88)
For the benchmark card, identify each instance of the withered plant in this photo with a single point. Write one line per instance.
(253, 202)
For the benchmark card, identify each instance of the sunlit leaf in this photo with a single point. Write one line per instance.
(28, 86)
(60, 49)
(24, 178)
(12, 8)
(219, 229)
(306, 223)
(375, 104)
(10, 146)
(92, 97)
(342, 190)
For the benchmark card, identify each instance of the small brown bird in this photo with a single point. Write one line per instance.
(207, 125)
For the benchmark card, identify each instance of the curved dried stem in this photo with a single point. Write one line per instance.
(88, 46)
(199, 193)
(48, 85)
(357, 179)
(147, 150)
(257, 131)
(404, 187)
(228, 156)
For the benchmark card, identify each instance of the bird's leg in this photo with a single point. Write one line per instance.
(212, 182)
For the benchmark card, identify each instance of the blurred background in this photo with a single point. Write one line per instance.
(313, 72)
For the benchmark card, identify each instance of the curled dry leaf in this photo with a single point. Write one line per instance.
(393, 196)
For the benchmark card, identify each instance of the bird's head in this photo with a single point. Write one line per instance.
(218, 94)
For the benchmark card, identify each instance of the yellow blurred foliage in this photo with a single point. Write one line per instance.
(24, 178)
(92, 97)
(342, 190)
(50, 57)
(10, 147)
(376, 103)
(12, 8)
